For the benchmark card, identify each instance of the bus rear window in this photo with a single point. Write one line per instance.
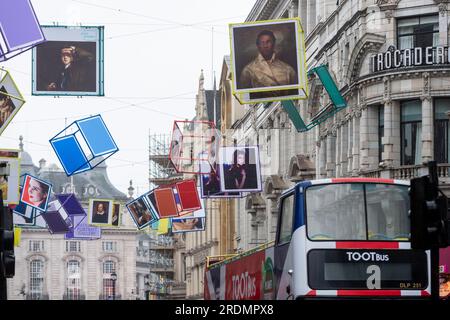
(357, 211)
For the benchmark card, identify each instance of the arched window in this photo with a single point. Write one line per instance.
(36, 279)
(73, 290)
(109, 285)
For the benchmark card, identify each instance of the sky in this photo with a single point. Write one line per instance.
(154, 53)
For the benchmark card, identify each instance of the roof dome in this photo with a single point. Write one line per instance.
(25, 159)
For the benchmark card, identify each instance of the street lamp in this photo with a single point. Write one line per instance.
(114, 279)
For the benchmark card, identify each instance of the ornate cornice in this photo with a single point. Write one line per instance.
(387, 4)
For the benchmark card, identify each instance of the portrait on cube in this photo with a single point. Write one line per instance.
(267, 58)
(180, 225)
(116, 215)
(240, 169)
(140, 213)
(210, 185)
(11, 100)
(70, 62)
(36, 192)
(10, 176)
(100, 212)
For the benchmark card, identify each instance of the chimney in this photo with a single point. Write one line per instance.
(42, 163)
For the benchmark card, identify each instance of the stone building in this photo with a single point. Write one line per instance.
(50, 267)
(390, 61)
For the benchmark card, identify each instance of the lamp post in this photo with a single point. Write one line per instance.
(114, 279)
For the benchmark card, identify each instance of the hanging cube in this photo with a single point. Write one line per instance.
(69, 203)
(19, 28)
(57, 217)
(83, 145)
(194, 145)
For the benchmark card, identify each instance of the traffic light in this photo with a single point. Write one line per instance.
(429, 225)
(7, 258)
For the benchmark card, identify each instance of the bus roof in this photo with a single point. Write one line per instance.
(307, 183)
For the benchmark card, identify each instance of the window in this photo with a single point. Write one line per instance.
(109, 246)
(387, 212)
(108, 284)
(380, 132)
(441, 132)
(411, 132)
(418, 32)
(36, 246)
(36, 279)
(73, 246)
(336, 212)
(287, 217)
(73, 280)
(358, 211)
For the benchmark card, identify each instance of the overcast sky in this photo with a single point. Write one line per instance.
(154, 51)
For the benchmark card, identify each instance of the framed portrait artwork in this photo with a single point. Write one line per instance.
(268, 60)
(70, 62)
(189, 224)
(210, 186)
(36, 192)
(240, 169)
(100, 212)
(141, 213)
(11, 100)
(10, 176)
(150, 200)
(116, 219)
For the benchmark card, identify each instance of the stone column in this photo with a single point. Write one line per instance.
(344, 148)
(443, 23)
(364, 140)
(349, 144)
(338, 151)
(387, 141)
(331, 154)
(427, 129)
(322, 158)
(355, 149)
(427, 120)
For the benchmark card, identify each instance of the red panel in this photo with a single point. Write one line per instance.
(369, 293)
(244, 278)
(366, 245)
(376, 180)
(312, 293)
(165, 200)
(188, 192)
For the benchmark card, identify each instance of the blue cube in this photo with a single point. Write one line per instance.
(83, 145)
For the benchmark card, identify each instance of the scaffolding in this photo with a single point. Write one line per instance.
(160, 280)
(161, 170)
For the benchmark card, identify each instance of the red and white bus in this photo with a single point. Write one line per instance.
(345, 237)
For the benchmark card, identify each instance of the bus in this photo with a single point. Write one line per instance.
(343, 237)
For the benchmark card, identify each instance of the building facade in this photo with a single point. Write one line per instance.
(50, 267)
(390, 61)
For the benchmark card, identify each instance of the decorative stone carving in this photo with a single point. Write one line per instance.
(426, 91)
(387, 89)
(389, 14)
(442, 9)
(387, 4)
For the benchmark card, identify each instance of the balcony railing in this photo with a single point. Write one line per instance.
(109, 297)
(406, 172)
(36, 296)
(74, 297)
